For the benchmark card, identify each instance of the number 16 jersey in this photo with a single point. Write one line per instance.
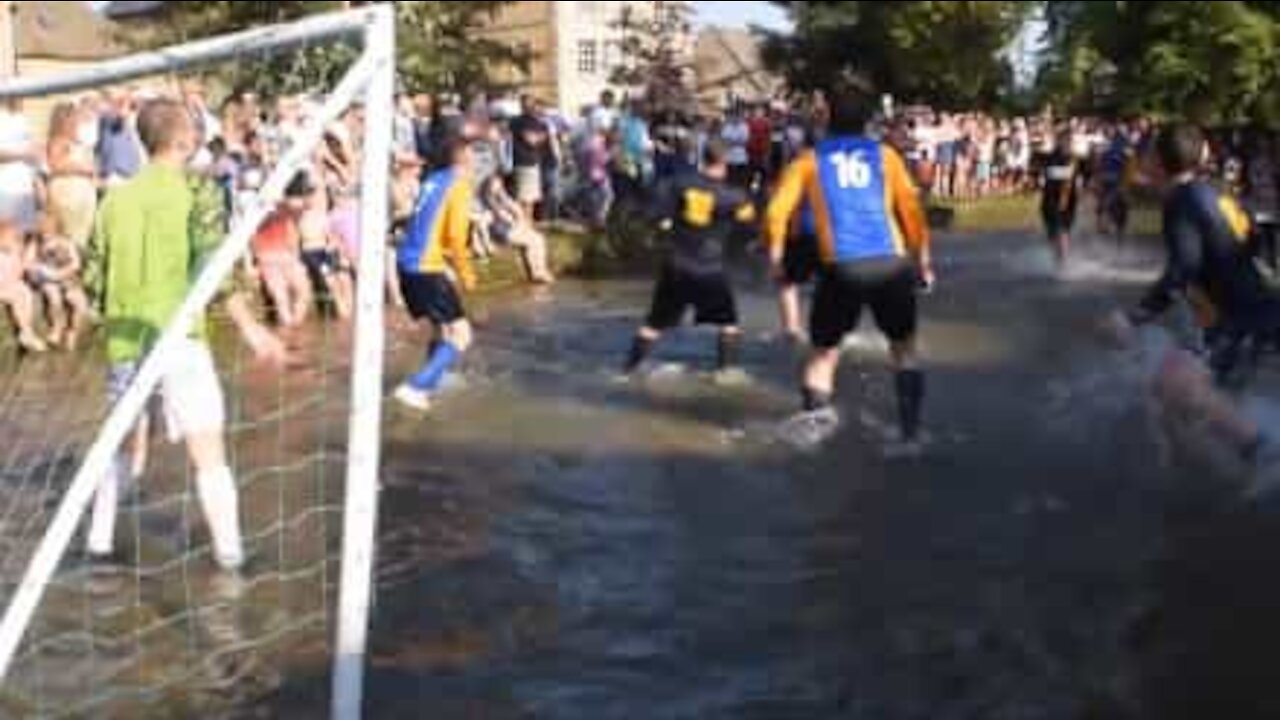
(863, 199)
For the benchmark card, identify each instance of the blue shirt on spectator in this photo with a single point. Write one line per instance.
(119, 151)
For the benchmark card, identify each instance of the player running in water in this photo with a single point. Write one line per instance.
(874, 245)
(1114, 175)
(1210, 265)
(434, 248)
(701, 212)
(1060, 198)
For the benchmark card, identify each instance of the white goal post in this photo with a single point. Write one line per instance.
(372, 80)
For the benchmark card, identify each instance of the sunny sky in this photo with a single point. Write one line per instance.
(741, 14)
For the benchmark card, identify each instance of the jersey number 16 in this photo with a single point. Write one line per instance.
(852, 170)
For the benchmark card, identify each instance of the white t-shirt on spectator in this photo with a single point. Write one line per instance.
(921, 135)
(603, 119)
(1080, 144)
(1020, 152)
(987, 149)
(736, 134)
(17, 179)
(406, 141)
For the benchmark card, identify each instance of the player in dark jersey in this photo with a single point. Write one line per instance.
(874, 246)
(1210, 261)
(1115, 170)
(1060, 197)
(1209, 265)
(700, 212)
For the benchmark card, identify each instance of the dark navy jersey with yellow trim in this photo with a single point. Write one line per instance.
(1206, 234)
(701, 215)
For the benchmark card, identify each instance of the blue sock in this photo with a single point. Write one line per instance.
(437, 366)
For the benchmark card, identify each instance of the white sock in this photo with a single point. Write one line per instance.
(218, 497)
(102, 525)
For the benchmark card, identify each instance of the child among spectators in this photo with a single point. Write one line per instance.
(15, 294)
(55, 273)
(276, 252)
(323, 252)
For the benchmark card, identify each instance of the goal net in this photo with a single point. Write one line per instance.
(163, 630)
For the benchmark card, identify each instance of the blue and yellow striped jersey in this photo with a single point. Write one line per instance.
(440, 228)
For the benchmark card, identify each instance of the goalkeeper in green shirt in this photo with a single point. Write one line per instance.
(153, 232)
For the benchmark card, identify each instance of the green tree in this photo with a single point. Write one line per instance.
(1210, 61)
(655, 59)
(441, 48)
(437, 42)
(950, 54)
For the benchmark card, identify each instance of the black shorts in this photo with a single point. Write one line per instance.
(802, 260)
(321, 263)
(1114, 202)
(432, 297)
(1058, 222)
(888, 286)
(710, 295)
(396, 232)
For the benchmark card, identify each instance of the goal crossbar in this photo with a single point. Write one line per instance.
(371, 80)
(276, 38)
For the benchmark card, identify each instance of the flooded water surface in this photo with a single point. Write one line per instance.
(558, 545)
(555, 543)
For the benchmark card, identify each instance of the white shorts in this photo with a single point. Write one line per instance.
(190, 391)
(528, 181)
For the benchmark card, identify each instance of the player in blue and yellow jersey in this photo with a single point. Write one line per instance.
(433, 259)
(873, 242)
(700, 212)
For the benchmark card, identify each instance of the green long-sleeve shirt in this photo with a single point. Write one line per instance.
(152, 235)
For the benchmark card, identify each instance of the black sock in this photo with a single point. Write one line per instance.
(815, 400)
(1252, 448)
(641, 346)
(729, 350)
(910, 384)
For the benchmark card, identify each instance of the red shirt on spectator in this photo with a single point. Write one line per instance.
(761, 137)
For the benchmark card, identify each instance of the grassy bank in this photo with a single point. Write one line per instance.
(1021, 213)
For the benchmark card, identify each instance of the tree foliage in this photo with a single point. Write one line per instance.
(654, 58)
(440, 47)
(1210, 61)
(950, 54)
(437, 42)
